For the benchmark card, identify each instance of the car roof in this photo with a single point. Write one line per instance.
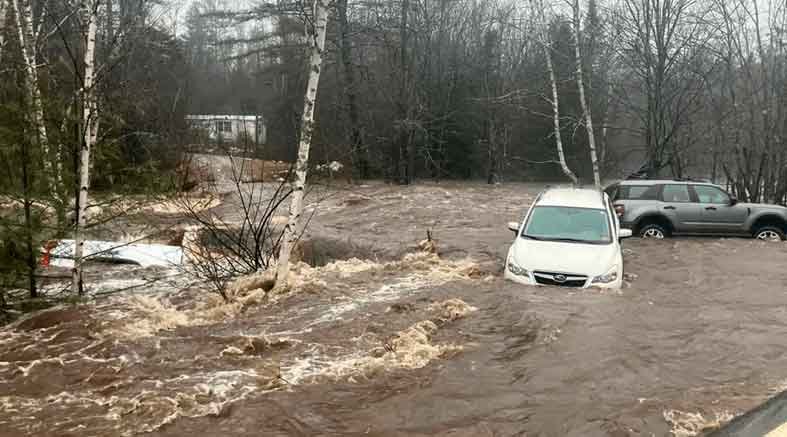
(573, 197)
(650, 182)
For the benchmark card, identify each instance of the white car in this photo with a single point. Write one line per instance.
(570, 238)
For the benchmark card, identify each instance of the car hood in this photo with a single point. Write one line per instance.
(551, 256)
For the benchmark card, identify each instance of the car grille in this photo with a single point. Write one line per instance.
(557, 279)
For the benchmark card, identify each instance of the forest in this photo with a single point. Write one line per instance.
(463, 89)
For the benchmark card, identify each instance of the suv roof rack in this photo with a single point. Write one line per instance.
(690, 179)
(686, 179)
(639, 175)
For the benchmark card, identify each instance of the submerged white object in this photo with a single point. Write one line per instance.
(333, 166)
(569, 237)
(145, 255)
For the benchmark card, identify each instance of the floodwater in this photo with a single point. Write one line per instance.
(411, 343)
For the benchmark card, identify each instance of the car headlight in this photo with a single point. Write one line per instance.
(610, 276)
(515, 269)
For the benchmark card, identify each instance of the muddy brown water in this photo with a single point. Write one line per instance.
(698, 333)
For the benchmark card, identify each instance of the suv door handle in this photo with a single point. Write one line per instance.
(669, 207)
(710, 208)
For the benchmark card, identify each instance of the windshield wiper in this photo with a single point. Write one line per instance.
(570, 240)
(562, 239)
(577, 240)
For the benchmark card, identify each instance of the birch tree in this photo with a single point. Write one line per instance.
(29, 39)
(316, 38)
(3, 12)
(90, 130)
(546, 44)
(582, 99)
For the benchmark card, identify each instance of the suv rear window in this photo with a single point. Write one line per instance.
(637, 192)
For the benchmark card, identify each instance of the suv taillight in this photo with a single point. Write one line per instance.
(620, 210)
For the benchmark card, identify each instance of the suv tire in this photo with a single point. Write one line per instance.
(769, 233)
(653, 231)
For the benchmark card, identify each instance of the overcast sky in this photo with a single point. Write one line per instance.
(173, 14)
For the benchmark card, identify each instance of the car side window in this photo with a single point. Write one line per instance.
(708, 194)
(676, 193)
(651, 193)
(636, 191)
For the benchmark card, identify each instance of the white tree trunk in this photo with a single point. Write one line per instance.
(28, 40)
(582, 99)
(90, 11)
(556, 117)
(546, 44)
(3, 12)
(602, 156)
(317, 45)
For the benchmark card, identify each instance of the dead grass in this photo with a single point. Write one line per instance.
(204, 170)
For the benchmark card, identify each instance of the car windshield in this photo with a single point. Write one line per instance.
(560, 223)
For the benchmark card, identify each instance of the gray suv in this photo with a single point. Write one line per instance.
(661, 208)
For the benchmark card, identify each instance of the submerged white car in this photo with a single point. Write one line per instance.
(570, 238)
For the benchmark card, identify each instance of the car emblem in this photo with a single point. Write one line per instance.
(560, 278)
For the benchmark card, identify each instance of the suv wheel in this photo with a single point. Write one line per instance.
(769, 233)
(653, 231)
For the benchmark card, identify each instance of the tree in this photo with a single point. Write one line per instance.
(355, 139)
(3, 15)
(662, 44)
(89, 134)
(583, 101)
(29, 33)
(404, 157)
(139, 79)
(316, 37)
(492, 87)
(546, 43)
(747, 98)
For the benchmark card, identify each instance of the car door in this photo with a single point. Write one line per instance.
(718, 214)
(679, 206)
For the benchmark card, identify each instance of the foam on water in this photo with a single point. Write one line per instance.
(687, 424)
(411, 348)
(126, 334)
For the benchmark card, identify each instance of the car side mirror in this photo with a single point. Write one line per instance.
(513, 227)
(625, 233)
(733, 200)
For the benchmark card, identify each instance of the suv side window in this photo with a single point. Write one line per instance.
(676, 193)
(636, 191)
(652, 193)
(709, 194)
